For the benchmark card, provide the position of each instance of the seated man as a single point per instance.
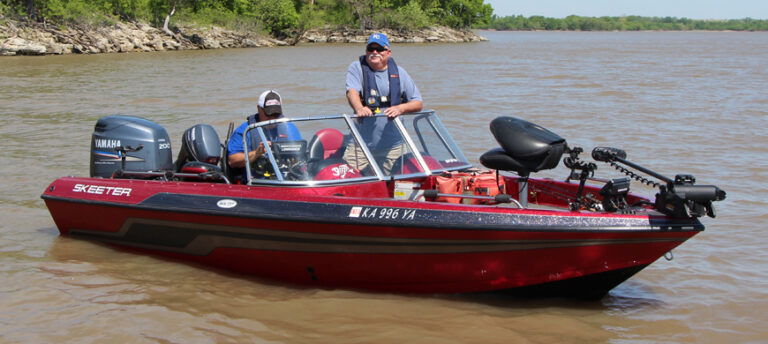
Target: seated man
(269, 108)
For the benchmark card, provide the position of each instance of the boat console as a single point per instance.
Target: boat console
(337, 149)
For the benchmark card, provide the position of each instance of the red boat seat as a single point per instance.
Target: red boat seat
(326, 144)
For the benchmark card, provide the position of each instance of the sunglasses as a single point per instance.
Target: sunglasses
(371, 49)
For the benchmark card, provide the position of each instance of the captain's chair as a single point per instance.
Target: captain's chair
(326, 144)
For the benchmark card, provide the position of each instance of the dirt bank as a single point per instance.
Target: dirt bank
(37, 39)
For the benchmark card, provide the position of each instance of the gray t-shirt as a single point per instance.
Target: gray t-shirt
(380, 133)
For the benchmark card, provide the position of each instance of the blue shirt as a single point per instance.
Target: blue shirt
(280, 132)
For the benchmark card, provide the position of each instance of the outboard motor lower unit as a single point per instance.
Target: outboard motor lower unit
(113, 133)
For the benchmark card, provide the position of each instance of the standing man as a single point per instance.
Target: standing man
(270, 107)
(376, 84)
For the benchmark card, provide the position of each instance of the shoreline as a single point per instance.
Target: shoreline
(660, 30)
(37, 39)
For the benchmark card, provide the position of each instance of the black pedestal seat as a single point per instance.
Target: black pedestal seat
(525, 147)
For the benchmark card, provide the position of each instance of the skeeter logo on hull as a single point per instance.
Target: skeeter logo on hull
(102, 190)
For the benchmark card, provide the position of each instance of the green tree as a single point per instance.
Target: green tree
(465, 14)
(407, 17)
(278, 16)
(362, 11)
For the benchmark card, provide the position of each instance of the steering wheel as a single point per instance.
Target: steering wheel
(262, 169)
(296, 172)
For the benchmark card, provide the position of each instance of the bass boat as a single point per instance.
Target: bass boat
(335, 210)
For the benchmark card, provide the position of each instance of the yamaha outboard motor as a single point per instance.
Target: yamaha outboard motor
(199, 143)
(143, 145)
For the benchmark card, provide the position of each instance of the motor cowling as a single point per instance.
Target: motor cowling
(199, 143)
(119, 137)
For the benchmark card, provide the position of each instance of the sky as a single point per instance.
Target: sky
(692, 9)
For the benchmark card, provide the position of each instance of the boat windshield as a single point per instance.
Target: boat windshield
(343, 148)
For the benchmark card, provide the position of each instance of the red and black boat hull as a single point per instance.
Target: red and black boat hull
(380, 244)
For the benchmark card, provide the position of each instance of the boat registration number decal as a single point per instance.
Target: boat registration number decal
(382, 213)
(102, 190)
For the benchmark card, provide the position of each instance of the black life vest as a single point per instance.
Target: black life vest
(370, 95)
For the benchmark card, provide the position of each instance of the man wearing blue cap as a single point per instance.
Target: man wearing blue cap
(376, 84)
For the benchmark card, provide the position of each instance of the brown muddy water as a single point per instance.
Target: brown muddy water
(677, 102)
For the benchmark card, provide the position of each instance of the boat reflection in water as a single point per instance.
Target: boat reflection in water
(334, 210)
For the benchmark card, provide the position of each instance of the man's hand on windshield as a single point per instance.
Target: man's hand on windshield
(393, 111)
(364, 111)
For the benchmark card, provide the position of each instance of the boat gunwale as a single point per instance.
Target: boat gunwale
(654, 223)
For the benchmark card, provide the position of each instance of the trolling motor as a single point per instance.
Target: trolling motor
(678, 197)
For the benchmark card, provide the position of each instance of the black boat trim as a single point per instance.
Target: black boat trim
(342, 213)
(202, 239)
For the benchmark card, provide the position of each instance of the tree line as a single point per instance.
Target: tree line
(626, 23)
(280, 18)
(284, 18)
